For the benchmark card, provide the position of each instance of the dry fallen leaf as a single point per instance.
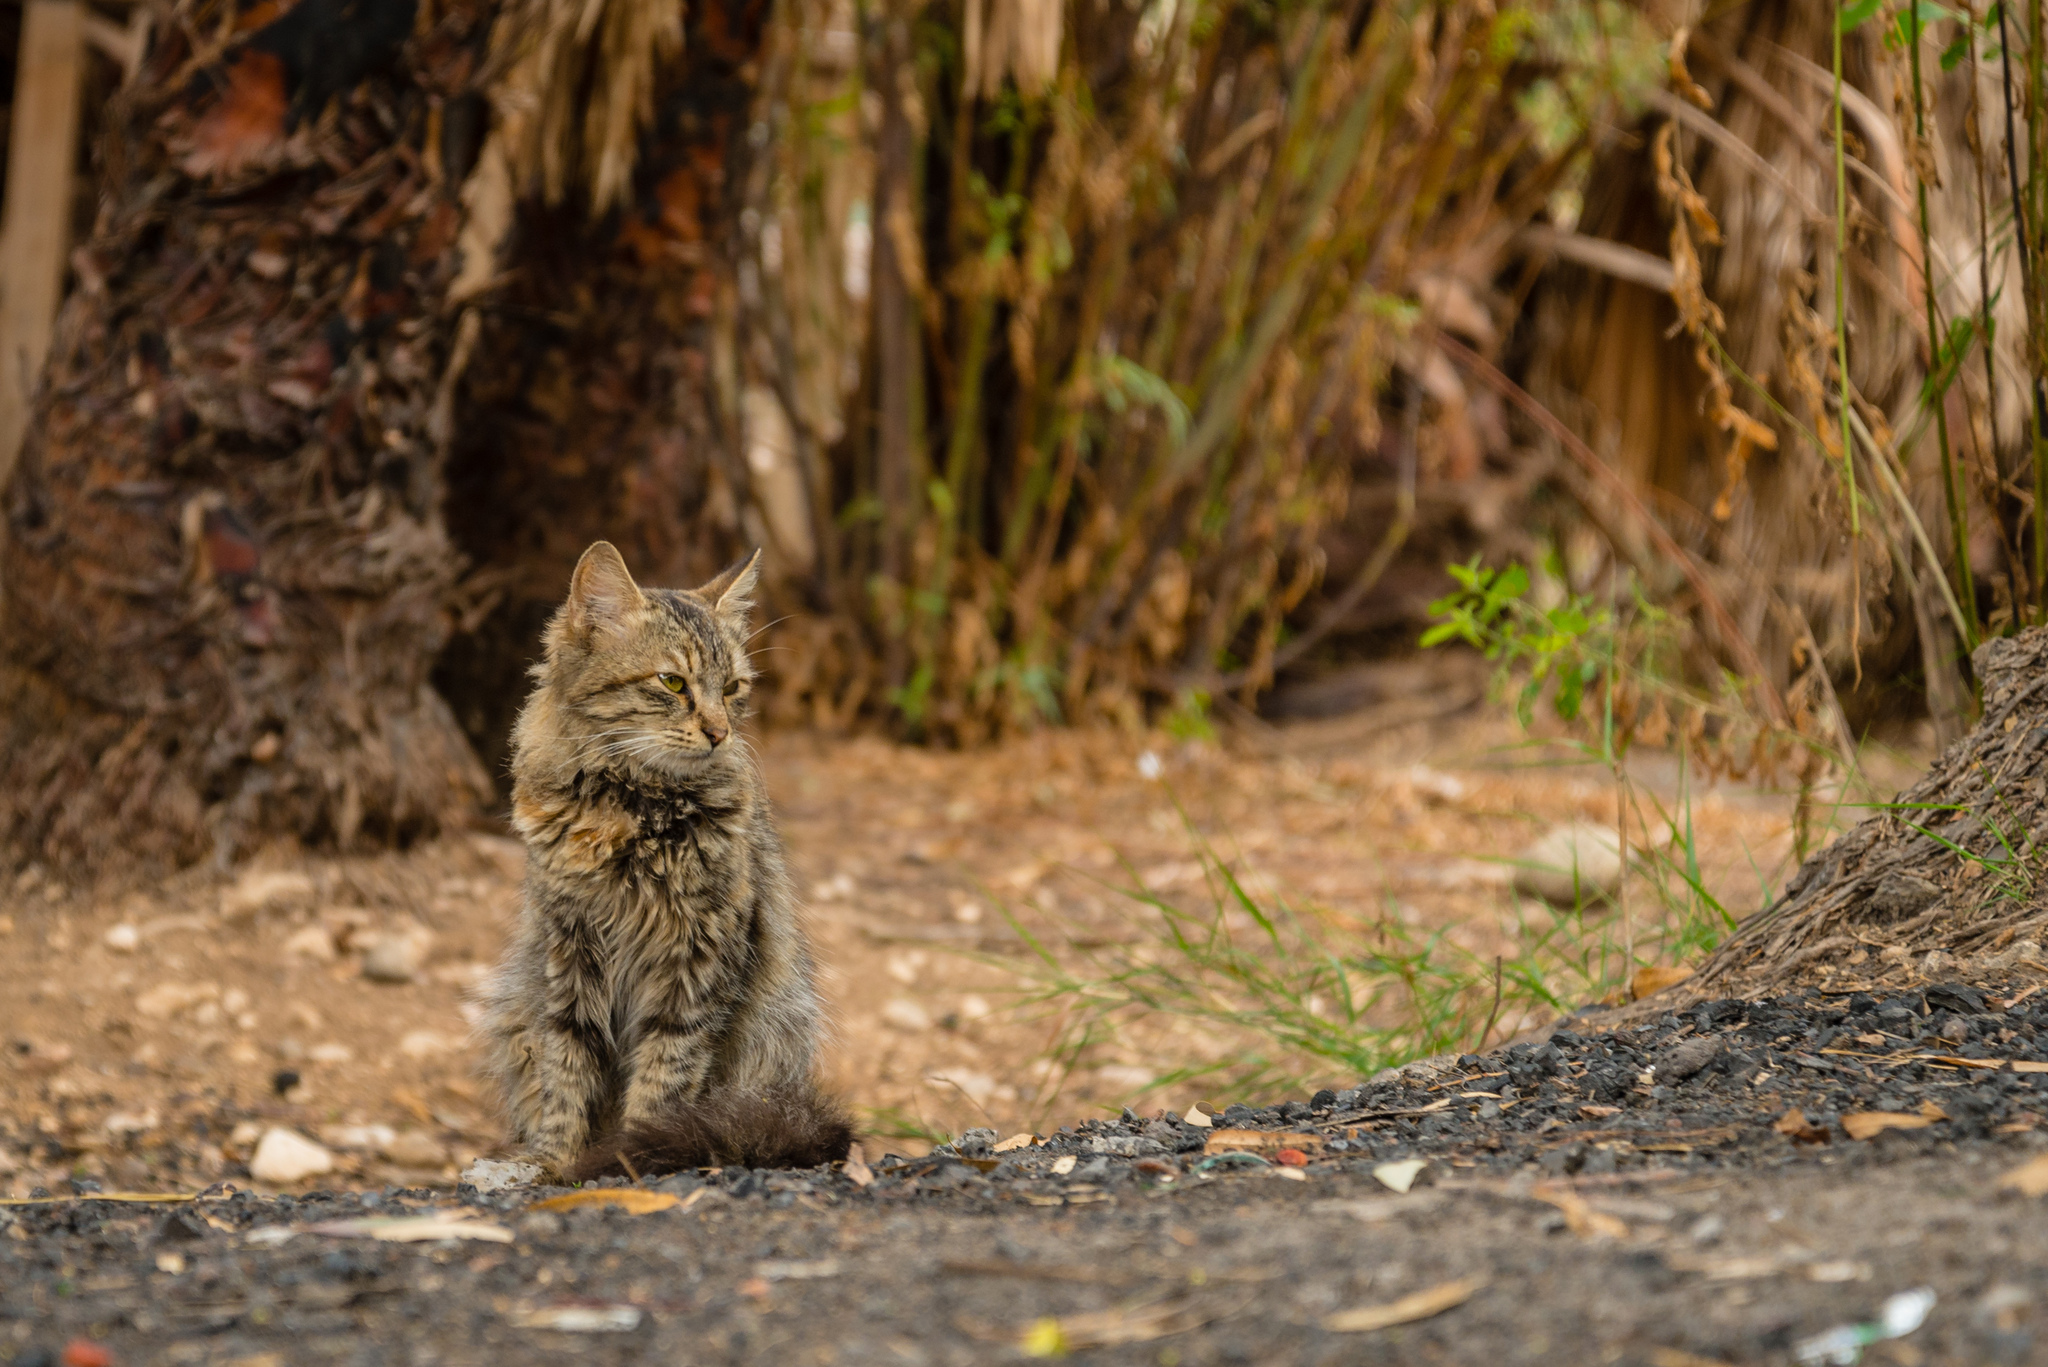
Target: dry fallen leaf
(857, 1170)
(629, 1199)
(1867, 1124)
(1063, 1165)
(1261, 1141)
(1795, 1126)
(413, 1229)
(1654, 978)
(1579, 1217)
(1419, 1305)
(2029, 1178)
(1052, 1338)
(1015, 1142)
(1197, 1117)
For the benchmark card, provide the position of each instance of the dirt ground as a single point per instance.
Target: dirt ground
(153, 1031)
(1726, 1186)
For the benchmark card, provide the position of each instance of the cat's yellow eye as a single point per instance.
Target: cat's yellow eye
(672, 682)
(732, 688)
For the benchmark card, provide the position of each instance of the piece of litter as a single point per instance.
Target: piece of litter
(1234, 1159)
(1399, 1177)
(856, 1168)
(629, 1199)
(2029, 1178)
(1198, 1118)
(1419, 1305)
(581, 1319)
(1260, 1141)
(413, 1229)
(1844, 1344)
(1063, 1165)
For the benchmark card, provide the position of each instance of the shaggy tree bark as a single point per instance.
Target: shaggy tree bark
(228, 572)
(1949, 867)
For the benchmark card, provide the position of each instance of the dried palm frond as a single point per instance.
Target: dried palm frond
(575, 87)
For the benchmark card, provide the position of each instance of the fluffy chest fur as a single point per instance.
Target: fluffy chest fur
(652, 890)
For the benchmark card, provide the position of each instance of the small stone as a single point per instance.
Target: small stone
(263, 889)
(283, 1157)
(425, 1044)
(489, 1174)
(1574, 865)
(122, 939)
(395, 956)
(311, 942)
(284, 1080)
(1687, 1058)
(905, 1014)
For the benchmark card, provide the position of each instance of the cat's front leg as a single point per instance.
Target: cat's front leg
(559, 1089)
(669, 1064)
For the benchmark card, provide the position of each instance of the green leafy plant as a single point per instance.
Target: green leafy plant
(1306, 999)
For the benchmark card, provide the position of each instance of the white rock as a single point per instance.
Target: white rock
(395, 956)
(373, 1137)
(283, 1157)
(905, 1014)
(489, 1174)
(261, 889)
(168, 999)
(122, 939)
(312, 942)
(122, 1123)
(330, 1053)
(424, 1044)
(1576, 864)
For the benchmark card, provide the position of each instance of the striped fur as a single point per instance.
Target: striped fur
(659, 985)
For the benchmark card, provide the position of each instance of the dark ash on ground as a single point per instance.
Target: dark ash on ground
(1626, 1197)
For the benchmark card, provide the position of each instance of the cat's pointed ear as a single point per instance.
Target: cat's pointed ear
(602, 595)
(731, 594)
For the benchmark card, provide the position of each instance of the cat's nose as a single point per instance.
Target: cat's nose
(715, 734)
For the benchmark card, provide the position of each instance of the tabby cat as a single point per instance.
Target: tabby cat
(657, 1008)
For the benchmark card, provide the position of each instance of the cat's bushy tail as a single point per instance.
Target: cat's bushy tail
(791, 1127)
